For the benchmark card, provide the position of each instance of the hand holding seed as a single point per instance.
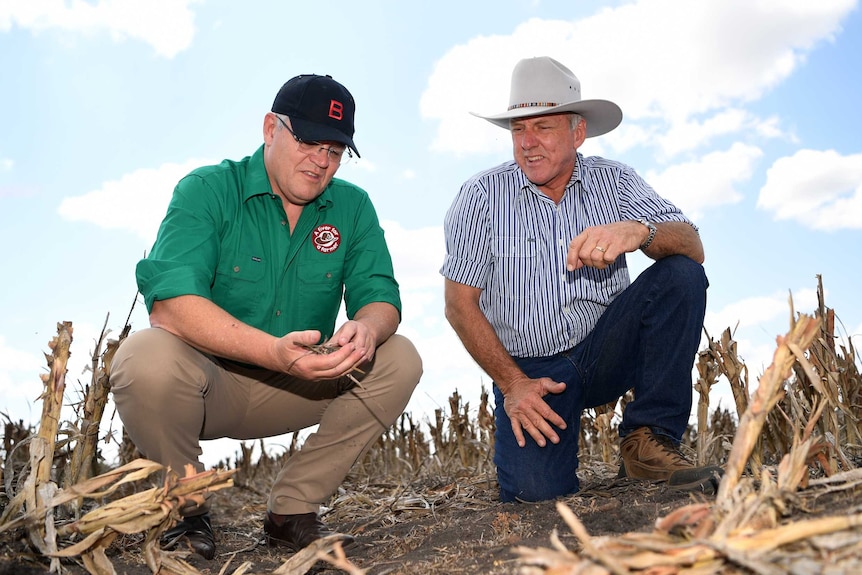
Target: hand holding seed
(315, 362)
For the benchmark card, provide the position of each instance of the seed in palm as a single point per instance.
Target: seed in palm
(326, 349)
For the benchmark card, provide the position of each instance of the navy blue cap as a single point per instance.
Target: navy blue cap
(320, 109)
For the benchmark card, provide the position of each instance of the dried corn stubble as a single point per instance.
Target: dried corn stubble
(748, 537)
(151, 511)
(765, 398)
(407, 467)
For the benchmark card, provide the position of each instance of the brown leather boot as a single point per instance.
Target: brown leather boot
(647, 455)
(297, 531)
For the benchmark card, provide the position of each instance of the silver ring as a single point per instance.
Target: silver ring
(600, 249)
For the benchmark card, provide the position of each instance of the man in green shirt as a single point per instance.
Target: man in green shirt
(247, 274)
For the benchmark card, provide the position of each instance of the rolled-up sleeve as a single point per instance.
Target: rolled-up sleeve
(467, 231)
(185, 255)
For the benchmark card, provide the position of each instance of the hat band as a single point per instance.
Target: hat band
(534, 105)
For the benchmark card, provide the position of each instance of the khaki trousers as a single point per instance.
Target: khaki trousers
(170, 396)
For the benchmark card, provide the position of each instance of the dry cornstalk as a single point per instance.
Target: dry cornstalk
(606, 559)
(151, 511)
(707, 369)
(765, 397)
(769, 539)
(52, 396)
(679, 546)
(604, 415)
(95, 400)
(38, 486)
(304, 559)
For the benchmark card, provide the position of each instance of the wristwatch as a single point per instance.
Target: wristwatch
(652, 231)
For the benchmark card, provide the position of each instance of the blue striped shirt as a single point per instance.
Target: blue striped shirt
(506, 237)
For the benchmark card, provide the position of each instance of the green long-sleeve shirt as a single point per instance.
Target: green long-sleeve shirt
(226, 238)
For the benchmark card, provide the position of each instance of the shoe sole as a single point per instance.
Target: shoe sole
(706, 481)
(708, 485)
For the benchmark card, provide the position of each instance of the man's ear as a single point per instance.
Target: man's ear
(270, 125)
(580, 132)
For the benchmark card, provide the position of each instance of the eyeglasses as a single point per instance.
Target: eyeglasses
(339, 156)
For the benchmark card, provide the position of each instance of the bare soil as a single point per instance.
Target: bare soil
(451, 527)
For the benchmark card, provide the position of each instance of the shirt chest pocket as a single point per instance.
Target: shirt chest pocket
(515, 269)
(514, 247)
(320, 275)
(239, 284)
(319, 294)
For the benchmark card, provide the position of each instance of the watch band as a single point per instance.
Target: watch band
(652, 231)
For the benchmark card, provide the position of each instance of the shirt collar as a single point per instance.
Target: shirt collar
(258, 183)
(526, 184)
(576, 173)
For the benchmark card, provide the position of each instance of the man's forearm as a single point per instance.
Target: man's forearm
(207, 327)
(381, 318)
(674, 238)
(481, 342)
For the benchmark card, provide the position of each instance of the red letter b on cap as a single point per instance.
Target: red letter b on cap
(336, 110)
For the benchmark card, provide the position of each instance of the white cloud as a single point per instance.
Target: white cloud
(6, 164)
(136, 202)
(746, 313)
(707, 182)
(417, 254)
(821, 190)
(21, 386)
(689, 135)
(755, 322)
(664, 61)
(447, 368)
(166, 25)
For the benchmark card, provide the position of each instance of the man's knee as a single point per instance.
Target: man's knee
(148, 361)
(534, 486)
(682, 270)
(398, 358)
(532, 473)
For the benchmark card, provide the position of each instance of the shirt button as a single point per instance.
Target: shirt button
(328, 275)
(278, 312)
(283, 222)
(236, 268)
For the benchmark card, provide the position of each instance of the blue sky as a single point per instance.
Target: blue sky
(743, 112)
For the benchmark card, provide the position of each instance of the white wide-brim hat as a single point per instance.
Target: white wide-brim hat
(542, 86)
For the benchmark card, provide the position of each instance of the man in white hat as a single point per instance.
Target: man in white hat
(538, 290)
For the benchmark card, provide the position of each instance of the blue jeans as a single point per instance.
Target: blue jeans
(646, 340)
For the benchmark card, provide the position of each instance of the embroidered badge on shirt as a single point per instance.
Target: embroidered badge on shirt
(326, 238)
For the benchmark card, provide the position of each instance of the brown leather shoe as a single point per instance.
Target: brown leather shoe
(297, 531)
(647, 455)
(193, 532)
